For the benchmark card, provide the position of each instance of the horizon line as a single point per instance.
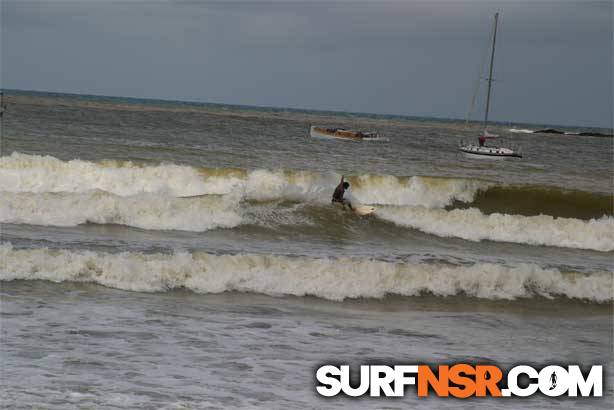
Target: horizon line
(313, 110)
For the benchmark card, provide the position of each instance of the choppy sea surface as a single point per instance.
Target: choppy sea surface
(174, 255)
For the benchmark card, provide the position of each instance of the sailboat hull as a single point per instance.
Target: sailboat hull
(343, 134)
(475, 151)
(323, 133)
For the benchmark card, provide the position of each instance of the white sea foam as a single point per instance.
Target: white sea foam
(35, 173)
(146, 211)
(473, 225)
(334, 279)
(47, 191)
(431, 192)
(521, 130)
(39, 174)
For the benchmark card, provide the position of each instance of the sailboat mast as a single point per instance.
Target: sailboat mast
(1, 115)
(492, 59)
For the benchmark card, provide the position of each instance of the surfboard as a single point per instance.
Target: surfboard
(358, 209)
(363, 210)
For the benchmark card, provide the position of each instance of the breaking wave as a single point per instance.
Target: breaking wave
(473, 225)
(334, 279)
(39, 174)
(145, 211)
(44, 190)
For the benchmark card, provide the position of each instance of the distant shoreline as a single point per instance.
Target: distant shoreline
(539, 128)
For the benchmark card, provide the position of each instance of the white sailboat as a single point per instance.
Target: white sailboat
(481, 150)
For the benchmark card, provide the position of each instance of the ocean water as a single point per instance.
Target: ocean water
(170, 255)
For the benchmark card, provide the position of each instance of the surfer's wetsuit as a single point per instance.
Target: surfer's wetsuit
(339, 192)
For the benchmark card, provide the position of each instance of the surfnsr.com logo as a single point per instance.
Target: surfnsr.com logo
(461, 381)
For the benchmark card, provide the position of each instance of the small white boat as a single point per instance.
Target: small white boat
(477, 151)
(343, 134)
(481, 150)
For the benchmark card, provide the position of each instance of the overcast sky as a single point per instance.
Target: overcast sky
(554, 59)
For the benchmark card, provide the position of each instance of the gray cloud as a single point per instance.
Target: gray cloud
(554, 61)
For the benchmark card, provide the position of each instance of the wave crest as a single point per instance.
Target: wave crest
(40, 174)
(145, 211)
(473, 225)
(334, 279)
(39, 189)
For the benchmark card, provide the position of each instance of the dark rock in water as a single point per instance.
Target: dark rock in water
(595, 134)
(548, 131)
(583, 134)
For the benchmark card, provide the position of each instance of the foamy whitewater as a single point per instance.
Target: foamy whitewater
(39, 174)
(471, 224)
(159, 255)
(38, 190)
(275, 275)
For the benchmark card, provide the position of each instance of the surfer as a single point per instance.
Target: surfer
(340, 191)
